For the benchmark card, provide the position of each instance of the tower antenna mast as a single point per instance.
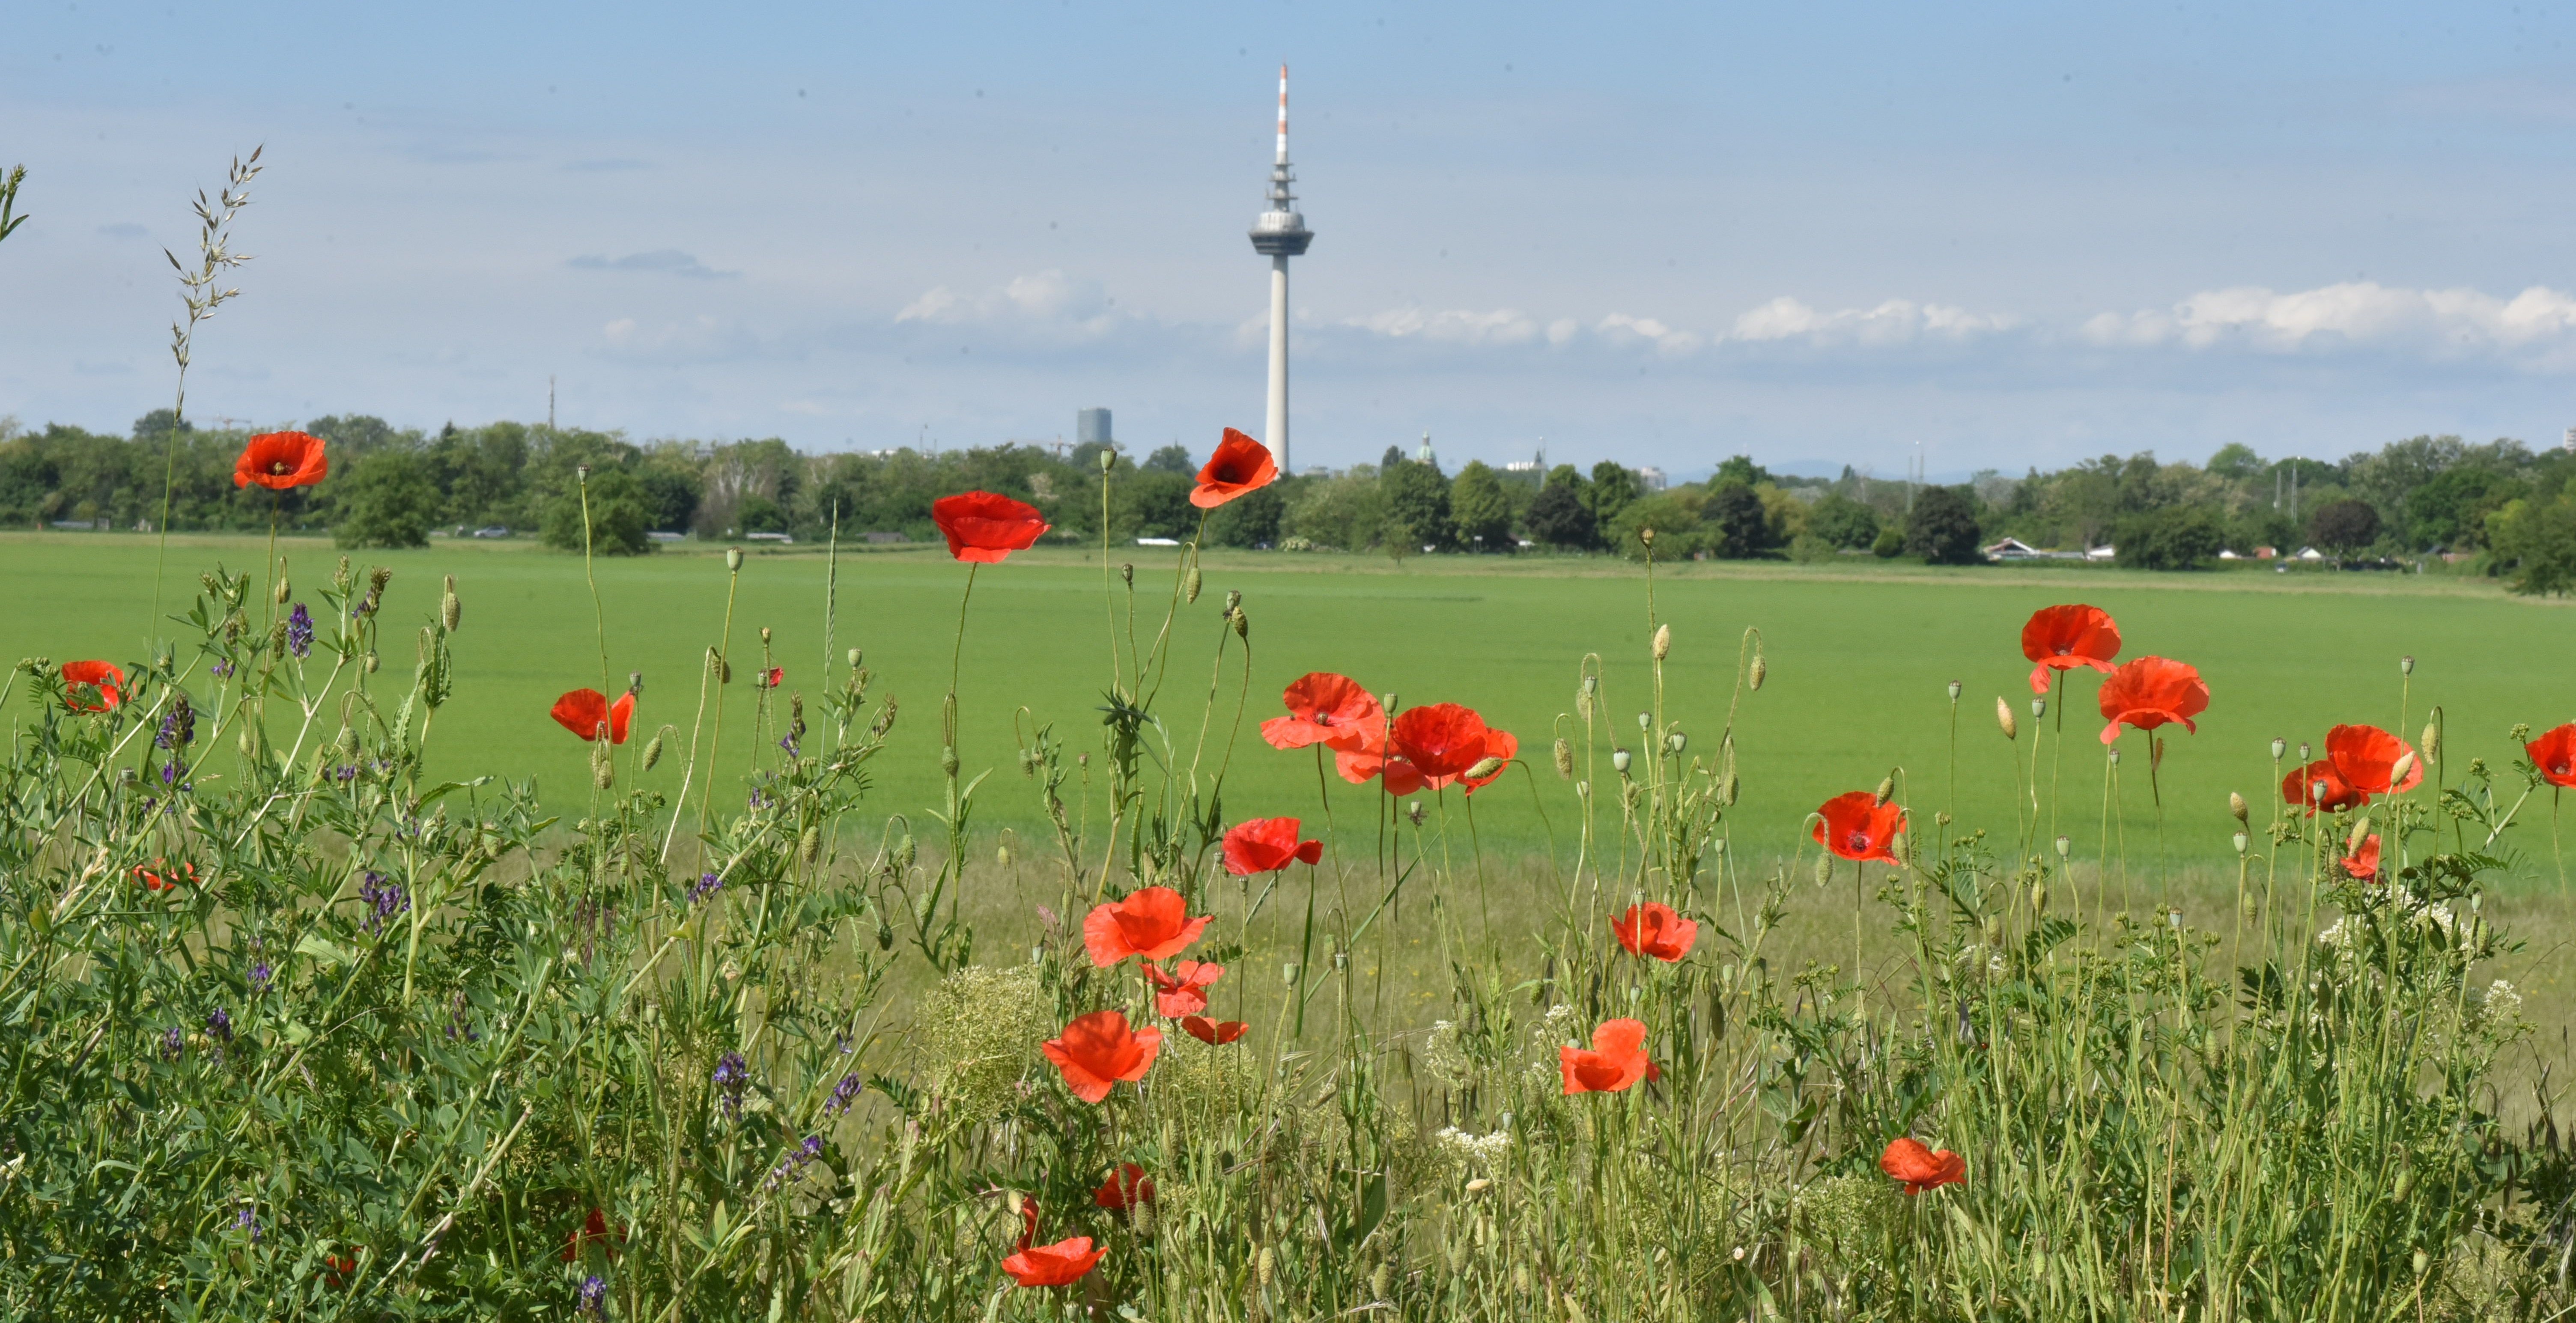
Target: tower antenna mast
(1280, 233)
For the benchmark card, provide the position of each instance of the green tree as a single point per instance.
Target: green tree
(1843, 522)
(620, 515)
(1417, 496)
(2344, 526)
(1611, 490)
(1741, 469)
(1736, 524)
(672, 491)
(386, 500)
(2175, 538)
(1557, 515)
(2535, 545)
(1943, 528)
(1174, 458)
(1249, 520)
(1480, 513)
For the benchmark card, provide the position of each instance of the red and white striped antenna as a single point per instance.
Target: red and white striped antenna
(1283, 114)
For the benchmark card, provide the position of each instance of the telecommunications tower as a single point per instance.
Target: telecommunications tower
(1280, 234)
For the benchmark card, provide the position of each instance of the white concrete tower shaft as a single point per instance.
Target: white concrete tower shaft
(1279, 234)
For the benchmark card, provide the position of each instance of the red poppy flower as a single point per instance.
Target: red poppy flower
(584, 711)
(152, 881)
(985, 528)
(2316, 786)
(2366, 757)
(2061, 638)
(1857, 826)
(1125, 1188)
(93, 686)
(1920, 1168)
(1439, 739)
(1615, 1061)
(1152, 923)
(1098, 1050)
(2151, 691)
(773, 677)
(1213, 1031)
(2364, 862)
(279, 460)
(593, 1230)
(1326, 709)
(2554, 755)
(1654, 929)
(336, 1269)
(1239, 465)
(1060, 1264)
(1183, 991)
(1266, 845)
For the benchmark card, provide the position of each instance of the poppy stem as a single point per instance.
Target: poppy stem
(599, 615)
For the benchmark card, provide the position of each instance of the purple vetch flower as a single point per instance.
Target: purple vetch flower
(707, 885)
(178, 725)
(223, 668)
(219, 1026)
(843, 1094)
(248, 1220)
(299, 632)
(260, 974)
(794, 1162)
(594, 1295)
(759, 801)
(788, 742)
(384, 898)
(173, 1043)
(733, 1074)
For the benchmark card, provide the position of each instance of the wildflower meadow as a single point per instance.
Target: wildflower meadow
(296, 1031)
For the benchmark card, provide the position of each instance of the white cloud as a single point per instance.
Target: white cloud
(1046, 298)
(2353, 312)
(1620, 328)
(1503, 326)
(1896, 321)
(660, 261)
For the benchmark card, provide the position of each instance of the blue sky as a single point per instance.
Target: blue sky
(2013, 234)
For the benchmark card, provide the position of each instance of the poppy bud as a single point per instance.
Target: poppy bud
(811, 844)
(653, 751)
(2397, 770)
(1190, 586)
(1887, 788)
(1591, 685)
(1002, 856)
(854, 658)
(1108, 457)
(1261, 1267)
(905, 851)
(603, 765)
(2004, 718)
(2065, 846)
(1619, 761)
(1954, 691)
(2360, 833)
(1128, 572)
(1824, 868)
(2432, 740)
(284, 589)
(450, 610)
(764, 636)
(371, 663)
(1243, 626)
(2241, 841)
(2236, 805)
(2039, 897)
(948, 760)
(1663, 641)
(2406, 665)
(1753, 675)
(2279, 747)
(733, 560)
(1727, 787)
(1564, 752)
(1646, 535)
(1485, 767)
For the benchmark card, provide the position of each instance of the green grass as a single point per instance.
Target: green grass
(1858, 661)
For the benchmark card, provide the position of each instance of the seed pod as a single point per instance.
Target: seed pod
(1619, 761)
(2115, 757)
(1485, 768)
(653, 751)
(1753, 675)
(635, 683)
(2038, 708)
(1887, 788)
(1127, 572)
(1663, 641)
(884, 721)
(733, 560)
(764, 638)
(1647, 536)
(1677, 741)
(2279, 747)
(1583, 790)
(2406, 665)
(1564, 752)
(948, 760)
(2004, 718)
(2303, 751)
(2236, 806)
(2242, 840)
(855, 654)
(1190, 586)
(2065, 846)
(1954, 691)
(451, 611)
(810, 845)
(1108, 458)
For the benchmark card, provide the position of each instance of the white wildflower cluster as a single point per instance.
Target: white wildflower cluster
(1445, 1056)
(2499, 1010)
(1472, 1152)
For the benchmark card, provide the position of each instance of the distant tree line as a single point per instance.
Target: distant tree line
(2509, 508)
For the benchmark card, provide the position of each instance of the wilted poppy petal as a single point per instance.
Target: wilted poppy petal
(1206, 1030)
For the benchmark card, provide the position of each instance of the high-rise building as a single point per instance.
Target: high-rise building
(1279, 234)
(1090, 425)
